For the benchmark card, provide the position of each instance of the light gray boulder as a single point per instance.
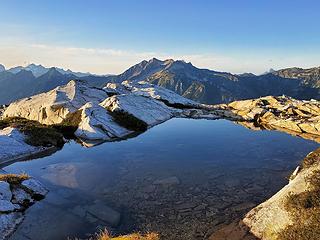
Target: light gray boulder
(146, 109)
(12, 144)
(56, 105)
(35, 187)
(6, 206)
(20, 196)
(97, 124)
(5, 192)
(159, 93)
(8, 223)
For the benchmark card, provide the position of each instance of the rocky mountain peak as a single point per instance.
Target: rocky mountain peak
(2, 68)
(25, 73)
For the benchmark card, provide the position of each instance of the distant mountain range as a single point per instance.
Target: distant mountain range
(209, 86)
(38, 70)
(202, 85)
(20, 82)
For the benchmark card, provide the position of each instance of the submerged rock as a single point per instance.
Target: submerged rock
(34, 187)
(167, 181)
(104, 213)
(98, 211)
(8, 223)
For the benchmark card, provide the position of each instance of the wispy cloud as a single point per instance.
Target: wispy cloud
(109, 60)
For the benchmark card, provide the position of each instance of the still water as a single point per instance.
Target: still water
(181, 179)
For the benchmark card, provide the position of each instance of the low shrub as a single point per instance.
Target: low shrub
(14, 178)
(305, 210)
(135, 236)
(129, 121)
(69, 125)
(312, 158)
(36, 134)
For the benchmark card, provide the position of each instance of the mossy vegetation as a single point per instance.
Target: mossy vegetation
(177, 105)
(104, 235)
(69, 125)
(129, 121)
(305, 210)
(36, 134)
(135, 236)
(311, 159)
(14, 178)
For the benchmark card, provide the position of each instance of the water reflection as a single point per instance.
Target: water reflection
(182, 178)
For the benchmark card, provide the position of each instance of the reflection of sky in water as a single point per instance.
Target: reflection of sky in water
(192, 150)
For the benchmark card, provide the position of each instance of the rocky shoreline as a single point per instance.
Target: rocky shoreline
(119, 110)
(283, 113)
(17, 193)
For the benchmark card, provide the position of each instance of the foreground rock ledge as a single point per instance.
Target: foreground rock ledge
(17, 193)
(282, 217)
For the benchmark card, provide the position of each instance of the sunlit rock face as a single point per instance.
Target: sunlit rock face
(97, 124)
(55, 106)
(171, 98)
(146, 109)
(292, 210)
(102, 114)
(282, 112)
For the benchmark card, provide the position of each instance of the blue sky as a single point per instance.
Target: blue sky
(107, 36)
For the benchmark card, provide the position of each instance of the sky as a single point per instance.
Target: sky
(108, 36)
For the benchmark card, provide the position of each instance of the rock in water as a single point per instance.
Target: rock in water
(6, 206)
(102, 212)
(5, 192)
(21, 197)
(168, 181)
(8, 223)
(35, 188)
